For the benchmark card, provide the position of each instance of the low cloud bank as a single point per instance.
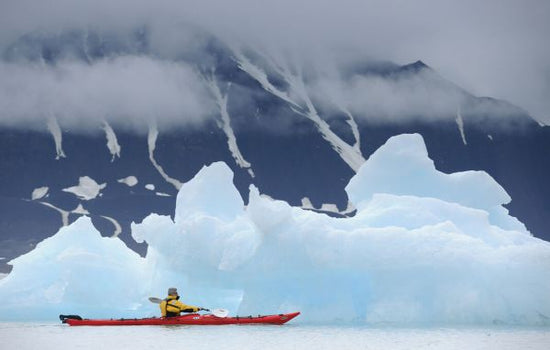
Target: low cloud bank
(130, 89)
(495, 49)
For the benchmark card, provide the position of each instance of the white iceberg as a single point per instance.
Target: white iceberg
(424, 247)
(74, 270)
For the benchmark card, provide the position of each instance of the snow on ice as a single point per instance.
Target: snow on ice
(424, 247)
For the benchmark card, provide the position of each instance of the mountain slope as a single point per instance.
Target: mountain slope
(295, 131)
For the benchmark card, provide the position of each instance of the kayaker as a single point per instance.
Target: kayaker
(171, 306)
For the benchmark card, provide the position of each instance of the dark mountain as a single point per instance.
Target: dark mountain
(281, 144)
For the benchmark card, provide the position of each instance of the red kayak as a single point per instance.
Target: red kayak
(190, 319)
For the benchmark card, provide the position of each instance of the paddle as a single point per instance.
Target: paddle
(215, 312)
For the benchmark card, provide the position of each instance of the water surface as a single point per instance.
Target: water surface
(22, 336)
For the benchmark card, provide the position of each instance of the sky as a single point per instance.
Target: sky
(490, 48)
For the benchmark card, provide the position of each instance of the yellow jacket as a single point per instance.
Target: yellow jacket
(171, 306)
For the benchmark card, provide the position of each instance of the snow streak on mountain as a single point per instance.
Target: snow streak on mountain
(108, 125)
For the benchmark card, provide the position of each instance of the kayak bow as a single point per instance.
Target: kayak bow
(189, 319)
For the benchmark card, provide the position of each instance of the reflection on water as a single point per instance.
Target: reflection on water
(22, 336)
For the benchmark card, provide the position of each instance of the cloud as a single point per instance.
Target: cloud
(128, 90)
(492, 48)
(395, 99)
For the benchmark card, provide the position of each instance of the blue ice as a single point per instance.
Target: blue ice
(424, 248)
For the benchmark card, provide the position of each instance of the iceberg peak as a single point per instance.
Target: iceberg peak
(402, 167)
(423, 248)
(208, 193)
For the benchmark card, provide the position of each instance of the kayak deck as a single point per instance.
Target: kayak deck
(189, 319)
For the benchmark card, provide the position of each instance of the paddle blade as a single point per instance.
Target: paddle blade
(155, 300)
(220, 312)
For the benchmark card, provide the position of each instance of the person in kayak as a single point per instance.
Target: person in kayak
(171, 306)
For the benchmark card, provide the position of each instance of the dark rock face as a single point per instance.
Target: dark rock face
(288, 167)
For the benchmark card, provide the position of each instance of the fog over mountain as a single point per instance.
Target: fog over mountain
(494, 48)
(108, 107)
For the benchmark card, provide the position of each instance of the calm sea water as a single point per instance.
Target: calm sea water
(21, 336)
